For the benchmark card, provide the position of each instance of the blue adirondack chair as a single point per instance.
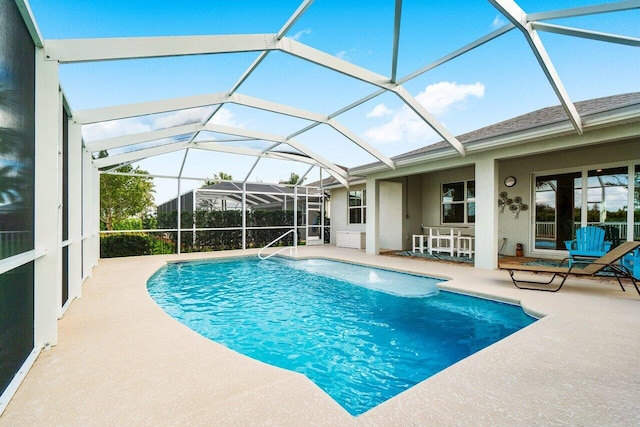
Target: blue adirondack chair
(589, 242)
(632, 263)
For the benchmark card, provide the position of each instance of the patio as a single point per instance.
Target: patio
(397, 119)
(121, 360)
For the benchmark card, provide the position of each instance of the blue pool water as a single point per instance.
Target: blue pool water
(361, 334)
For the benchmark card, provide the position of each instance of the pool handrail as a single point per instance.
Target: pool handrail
(295, 244)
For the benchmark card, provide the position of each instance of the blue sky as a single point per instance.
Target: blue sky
(492, 83)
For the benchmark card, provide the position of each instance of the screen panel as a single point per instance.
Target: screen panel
(17, 173)
(17, 132)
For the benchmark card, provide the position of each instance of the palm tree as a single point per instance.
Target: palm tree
(217, 178)
(293, 179)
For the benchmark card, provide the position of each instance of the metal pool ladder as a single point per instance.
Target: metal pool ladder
(294, 247)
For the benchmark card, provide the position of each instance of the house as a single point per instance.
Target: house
(308, 201)
(536, 159)
(228, 196)
(578, 166)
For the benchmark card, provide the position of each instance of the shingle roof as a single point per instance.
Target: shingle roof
(544, 116)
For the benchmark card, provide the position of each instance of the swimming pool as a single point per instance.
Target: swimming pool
(361, 334)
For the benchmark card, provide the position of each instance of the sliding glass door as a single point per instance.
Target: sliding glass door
(607, 202)
(563, 204)
(636, 204)
(558, 201)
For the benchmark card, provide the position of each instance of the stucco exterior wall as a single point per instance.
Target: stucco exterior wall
(340, 214)
(421, 183)
(525, 169)
(431, 188)
(412, 220)
(391, 214)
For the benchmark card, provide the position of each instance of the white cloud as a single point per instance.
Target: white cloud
(113, 129)
(379, 110)
(116, 128)
(227, 118)
(403, 127)
(406, 126)
(181, 117)
(439, 97)
(342, 55)
(497, 22)
(299, 34)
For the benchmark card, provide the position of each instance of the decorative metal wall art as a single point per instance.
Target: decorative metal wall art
(515, 205)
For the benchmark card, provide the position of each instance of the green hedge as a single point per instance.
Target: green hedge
(228, 239)
(116, 245)
(119, 245)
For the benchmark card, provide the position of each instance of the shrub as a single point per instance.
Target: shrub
(118, 245)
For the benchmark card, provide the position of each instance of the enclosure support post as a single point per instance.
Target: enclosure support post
(193, 204)
(295, 217)
(373, 217)
(631, 192)
(322, 212)
(47, 216)
(244, 215)
(486, 173)
(179, 219)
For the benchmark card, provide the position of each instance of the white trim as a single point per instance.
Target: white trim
(21, 259)
(361, 208)
(66, 306)
(464, 202)
(584, 174)
(126, 140)
(140, 154)
(593, 122)
(585, 10)
(107, 49)
(593, 35)
(11, 389)
(30, 21)
(144, 108)
(47, 227)
(75, 201)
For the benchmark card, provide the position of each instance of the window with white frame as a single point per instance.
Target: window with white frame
(459, 202)
(358, 207)
(589, 196)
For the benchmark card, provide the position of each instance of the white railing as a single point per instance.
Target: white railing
(548, 229)
(294, 247)
(545, 229)
(14, 242)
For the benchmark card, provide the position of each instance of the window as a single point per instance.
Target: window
(565, 202)
(358, 207)
(608, 202)
(636, 208)
(607, 195)
(459, 202)
(558, 201)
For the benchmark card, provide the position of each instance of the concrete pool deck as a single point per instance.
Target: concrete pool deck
(120, 360)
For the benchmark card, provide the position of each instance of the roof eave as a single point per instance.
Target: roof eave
(625, 114)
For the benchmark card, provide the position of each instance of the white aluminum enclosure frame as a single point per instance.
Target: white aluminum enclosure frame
(83, 242)
(186, 136)
(83, 50)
